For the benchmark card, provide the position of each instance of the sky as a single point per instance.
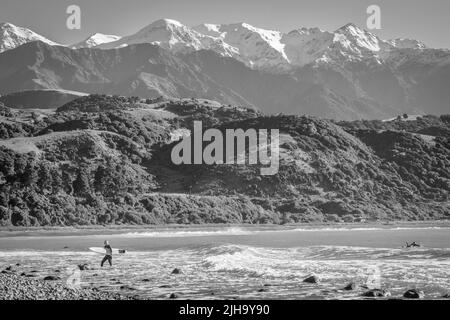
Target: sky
(424, 20)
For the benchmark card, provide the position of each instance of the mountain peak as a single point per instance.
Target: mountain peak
(12, 36)
(165, 23)
(348, 26)
(354, 39)
(4, 25)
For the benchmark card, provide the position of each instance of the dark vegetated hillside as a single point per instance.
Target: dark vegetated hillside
(429, 125)
(425, 164)
(9, 127)
(324, 171)
(106, 160)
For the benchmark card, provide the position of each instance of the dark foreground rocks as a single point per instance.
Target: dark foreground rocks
(414, 294)
(176, 271)
(15, 287)
(83, 266)
(351, 286)
(311, 279)
(377, 293)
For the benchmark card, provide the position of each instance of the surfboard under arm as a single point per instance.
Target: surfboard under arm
(102, 250)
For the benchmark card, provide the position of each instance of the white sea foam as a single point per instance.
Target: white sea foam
(189, 233)
(231, 231)
(249, 231)
(368, 229)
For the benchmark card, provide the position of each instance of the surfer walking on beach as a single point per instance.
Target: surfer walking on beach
(108, 256)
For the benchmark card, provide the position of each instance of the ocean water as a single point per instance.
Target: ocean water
(242, 262)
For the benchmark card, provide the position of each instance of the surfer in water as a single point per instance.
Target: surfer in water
(108, 256)
(412, 244)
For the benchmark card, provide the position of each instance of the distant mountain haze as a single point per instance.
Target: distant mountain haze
(346, 74)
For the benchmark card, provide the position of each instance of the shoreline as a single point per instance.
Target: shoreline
(118, 229)
(150, 274)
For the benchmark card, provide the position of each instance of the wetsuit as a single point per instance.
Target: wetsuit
(108, 256)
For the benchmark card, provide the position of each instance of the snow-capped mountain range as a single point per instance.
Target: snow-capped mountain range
(349, 73)
(258, 48)
(267, 49)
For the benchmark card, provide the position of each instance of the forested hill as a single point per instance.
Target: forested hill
(106, 160)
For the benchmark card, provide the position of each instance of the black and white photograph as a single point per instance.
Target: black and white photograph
(211, 151)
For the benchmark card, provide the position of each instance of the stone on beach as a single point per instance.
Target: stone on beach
(350, 286)
(311, 279)
(83, 266)
(127, 287)
(51, 278)
(176, 271)
(377, 293)
(414, 294)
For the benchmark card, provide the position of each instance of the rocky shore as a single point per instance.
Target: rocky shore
(21, 287)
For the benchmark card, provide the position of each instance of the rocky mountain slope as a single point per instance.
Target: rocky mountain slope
(144, 70)
(106, 160)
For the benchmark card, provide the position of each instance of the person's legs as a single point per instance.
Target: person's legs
(103, 261)
(110, 261)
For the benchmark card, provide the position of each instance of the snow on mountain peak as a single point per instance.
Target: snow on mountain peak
(403, 43)
(95, 40)
(258, 48)
(168, 33)
(12, 36)
(354, 38)
(167, 22)
(208, 29)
